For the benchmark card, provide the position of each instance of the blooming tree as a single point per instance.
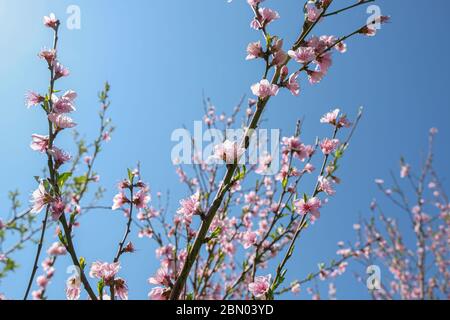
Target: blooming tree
(227, 230)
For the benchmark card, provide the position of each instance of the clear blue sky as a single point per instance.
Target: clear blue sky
(160, 55)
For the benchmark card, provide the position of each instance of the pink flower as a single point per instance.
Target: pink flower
(326, 186)
(260, 286)
(254, 2)
(404, 170)
(249, 238)
(295, 289)
(189, 207)
(39, 143)
(228, 151)
(141, 199)
(73, 288)
(119, 200)
(40, 198)
(56, 249)
(33, 99)
(293, 85)
(104, 270)
(315, 76)
(60, 156)
(57, 209)
(48, 55)
(162, 277)
(264, 89)
(264, 164)
(341, 47)
(298, 149)
(61, 121)
(324, 62)
(59, 70)
(328, 145)
(64, 104)
(312, 206)
(121, 289)
(254, 50)
(303, 55)
(158, 293)
(51, 21)
(265, 16)
(37, 294)
(330, 117)
(42, 281)
(313, 13)
(279, 58)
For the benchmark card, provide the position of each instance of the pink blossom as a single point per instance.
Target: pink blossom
(162, 277)
(57, 209)
(56, 249)
(39, 143)
(254, 2)
(59, 70)
(328, 145)
(104, 270)
(228, 151)
(303, 55)
(326, 186)
(264, 89)
(315, 76)
(59, 155)
(264, 164)
(121, 289)
(294, 146)
(48, 55)
(312, 206)
(254, 50)
(40, 198)
(141, 199)
(324, 62)
(33, 99)
(249, 239)
(293, 85)
(42, 281)
(61, 121)
(189, 207)
(404, 170)
(73, 288)
(330, 117)
(341, 47)
(260, 286)
(279, 58)
(265, 16)
(313, 13)
(119, 200)
(51, 21)
(64, 104)
(295, 289)
(37, 294)
(158, 293)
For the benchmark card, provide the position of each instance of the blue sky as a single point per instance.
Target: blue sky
(159, 56)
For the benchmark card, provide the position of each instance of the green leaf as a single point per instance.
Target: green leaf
(130, 175)
(216, 233)
(100, 286)
(190, 296)
(63, 178)
(82, 263)
(284, 183)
